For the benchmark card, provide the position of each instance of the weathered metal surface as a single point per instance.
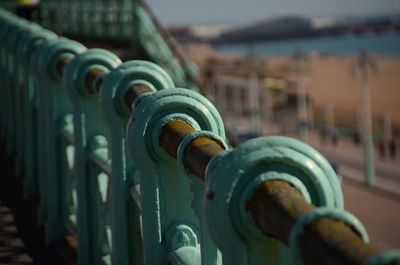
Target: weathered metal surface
(90, 133)
(199, 153)
(93, 131)
(62, 63)
(165, 186)
(276, 207)
(116, 101)
(172, 135)
(94, 75)
(134, 92)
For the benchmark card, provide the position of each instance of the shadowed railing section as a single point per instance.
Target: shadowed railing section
(138, 171)
(130, 23)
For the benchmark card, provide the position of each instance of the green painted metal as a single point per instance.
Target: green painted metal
(101, 173)
(165, 184)
(26, 48)
(252, 163)
(126, 249)
(53, 110)
(129, 21)
(90, 134)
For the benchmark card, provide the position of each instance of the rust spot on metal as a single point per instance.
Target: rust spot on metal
(89, 80)
(62, 63)
(133, 92)
(210, 195)
(199, 153)
(172, 135)
(276, 206)
(328, 241)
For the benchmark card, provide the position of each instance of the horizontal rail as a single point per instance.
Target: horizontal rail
(276, 206)
(172, 192)
(198, 154)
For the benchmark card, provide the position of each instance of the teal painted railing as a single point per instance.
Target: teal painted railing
(127, 21)
(138, 171)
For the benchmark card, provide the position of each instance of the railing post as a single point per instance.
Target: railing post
(117, 93)
(171, 198)
(6, 22)
(26, 47)
(16, 93)
(54, 109)
(90, 133)
(11, 36)
(256, 161)
(272, 200)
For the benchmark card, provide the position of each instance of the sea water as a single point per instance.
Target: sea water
(385, 44)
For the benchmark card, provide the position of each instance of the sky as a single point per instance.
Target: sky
(193, 12)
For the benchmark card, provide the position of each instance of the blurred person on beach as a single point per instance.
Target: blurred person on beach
(356, 138)
(392, 149)
(335, 135)
(382, 149)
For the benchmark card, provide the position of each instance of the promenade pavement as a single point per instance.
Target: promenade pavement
(378, 207)
(12, 249)
(349, 158)
(378, 210)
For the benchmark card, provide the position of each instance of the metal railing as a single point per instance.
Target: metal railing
(138, 171)
(120, 21)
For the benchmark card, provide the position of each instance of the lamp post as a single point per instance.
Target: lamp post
(254, 92)
(302, 110)
(387, 131)
(364, 64)
(301, 64)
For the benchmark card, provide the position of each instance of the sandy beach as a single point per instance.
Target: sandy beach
(332, 80)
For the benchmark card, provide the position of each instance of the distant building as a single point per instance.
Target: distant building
(282, 27)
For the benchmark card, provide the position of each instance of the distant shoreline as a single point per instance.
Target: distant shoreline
(387, 44)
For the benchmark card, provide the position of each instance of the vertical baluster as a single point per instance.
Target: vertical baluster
(7, 23)
(89, 129)
(14, 33)
(55, 108)
(119, 90)
(27, 47)
(171, 198)
(18, 90)
(3, 26)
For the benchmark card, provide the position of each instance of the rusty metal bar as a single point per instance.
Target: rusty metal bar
(62, 63)
(133, 93)
(276, 206)
(198, 153)
(172, 135)
(90, 77)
